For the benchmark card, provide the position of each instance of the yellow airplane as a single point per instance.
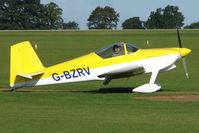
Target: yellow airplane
(114, 61)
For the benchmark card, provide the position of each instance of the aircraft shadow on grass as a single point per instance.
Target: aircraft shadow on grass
(99, 91)
(109, 90)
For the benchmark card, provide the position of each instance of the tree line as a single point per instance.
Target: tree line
(166, 18)
(31, 14)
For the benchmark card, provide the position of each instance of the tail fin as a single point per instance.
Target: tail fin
(24, 63)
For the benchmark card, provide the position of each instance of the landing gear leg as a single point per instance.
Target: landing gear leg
(107, 80)
(153, 77)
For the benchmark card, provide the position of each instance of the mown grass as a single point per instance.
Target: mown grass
(94, 107)
(88, 112)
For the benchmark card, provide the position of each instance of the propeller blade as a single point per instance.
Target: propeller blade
(183, 59)
(185, 67)
(179, 40)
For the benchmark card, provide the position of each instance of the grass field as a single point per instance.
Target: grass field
(90, 106)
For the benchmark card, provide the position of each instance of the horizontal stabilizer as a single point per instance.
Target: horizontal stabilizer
(30, 76)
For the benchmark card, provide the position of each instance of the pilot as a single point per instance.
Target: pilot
(116, 50)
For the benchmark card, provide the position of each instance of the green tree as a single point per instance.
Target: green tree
(70, 25)
(54, 13)
(10, 14)
(29, 14)
(194, 25)
(103, 18)
(32, 15)
(172, 17)
(167, 18)
(132, 23)
(20, 14)
(155, 20)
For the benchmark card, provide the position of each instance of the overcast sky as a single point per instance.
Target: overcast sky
(79, 10)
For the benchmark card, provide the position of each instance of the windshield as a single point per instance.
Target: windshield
(131, 48)
(111, 51)
(115, 50)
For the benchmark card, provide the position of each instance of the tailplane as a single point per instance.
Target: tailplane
(24, 64)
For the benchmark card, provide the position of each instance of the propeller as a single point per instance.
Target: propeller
(183, 58)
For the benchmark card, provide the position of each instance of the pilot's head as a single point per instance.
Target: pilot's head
(116, 49)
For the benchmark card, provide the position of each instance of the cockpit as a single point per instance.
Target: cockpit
(116, 50)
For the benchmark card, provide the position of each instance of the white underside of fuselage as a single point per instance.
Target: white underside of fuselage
(163, 63)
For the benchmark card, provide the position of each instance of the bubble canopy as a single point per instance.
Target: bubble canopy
(117, 49)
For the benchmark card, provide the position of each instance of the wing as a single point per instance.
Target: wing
(124, 73)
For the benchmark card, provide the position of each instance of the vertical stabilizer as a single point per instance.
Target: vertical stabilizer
(23, 61)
